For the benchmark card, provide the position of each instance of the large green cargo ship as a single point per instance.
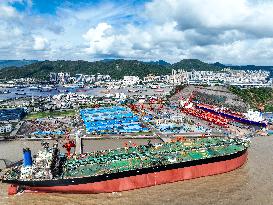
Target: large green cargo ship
(129, 167)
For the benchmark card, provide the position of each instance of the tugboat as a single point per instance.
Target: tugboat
(126, 168)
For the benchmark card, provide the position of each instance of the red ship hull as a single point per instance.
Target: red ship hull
(144, 180)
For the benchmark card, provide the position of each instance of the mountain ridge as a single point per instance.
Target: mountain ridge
(15, 63)
(116, 68)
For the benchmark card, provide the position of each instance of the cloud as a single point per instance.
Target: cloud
(99, 41)
(40, 43)
(207, 13)
(16, 37)
(230, 31)
(134, 42)
(7, 12)
(213, 16)
(210, 30)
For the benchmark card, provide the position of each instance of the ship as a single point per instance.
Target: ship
(33, 88)
(127, 168)
(81, 90)
(47, 89)
(5, 92)
(20, 93)
(159, 90)
(190, 108)
(221, 116)
(251, 117)
(63, 91)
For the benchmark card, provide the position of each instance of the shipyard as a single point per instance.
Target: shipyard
(136, 102)
(103, 142)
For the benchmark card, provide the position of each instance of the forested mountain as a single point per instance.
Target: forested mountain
(116, 68)
(15, 63)
(194, 64)
(246, 67)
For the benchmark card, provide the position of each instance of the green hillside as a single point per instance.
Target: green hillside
(15, 63)
(194, 64)
(256, 97)
(116, 68)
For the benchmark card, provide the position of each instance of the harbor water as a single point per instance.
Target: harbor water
(60, 90)
(252, 184)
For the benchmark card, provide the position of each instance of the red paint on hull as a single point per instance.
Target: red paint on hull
(147, 180)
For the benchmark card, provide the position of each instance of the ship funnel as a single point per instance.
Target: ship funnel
(27, 157)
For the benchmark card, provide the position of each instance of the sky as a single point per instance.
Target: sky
(228, 31)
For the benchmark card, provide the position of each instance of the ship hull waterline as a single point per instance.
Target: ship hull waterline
(218, 165)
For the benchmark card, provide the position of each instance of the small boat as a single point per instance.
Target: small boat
(45, 90)
(81, 90)
(20, 93)
(105, 91)
(63, 91)
(154, 86)
(159, 90)
(133, 91)
(33, 88)
(5, 92)
(20, 86)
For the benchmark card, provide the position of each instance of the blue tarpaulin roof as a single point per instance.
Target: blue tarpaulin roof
(110, 120)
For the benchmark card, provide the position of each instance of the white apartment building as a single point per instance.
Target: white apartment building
(151, 78)
(230, 77)
(130, 80)
(6, 128)
(178, 77)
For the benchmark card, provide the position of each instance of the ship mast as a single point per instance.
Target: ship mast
(78, 140)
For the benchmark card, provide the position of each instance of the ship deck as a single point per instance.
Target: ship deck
(132, 158)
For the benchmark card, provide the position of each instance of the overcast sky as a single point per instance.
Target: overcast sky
(228, 31)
